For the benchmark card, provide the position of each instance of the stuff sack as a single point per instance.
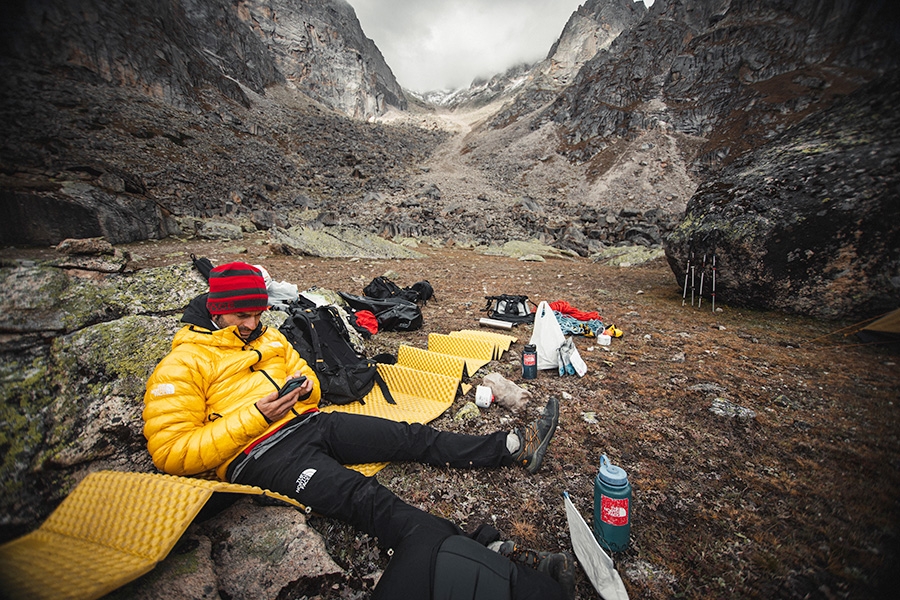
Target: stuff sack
(392, 314)
(424, 291)
(321, 338)
(510, 308)
(203, 265)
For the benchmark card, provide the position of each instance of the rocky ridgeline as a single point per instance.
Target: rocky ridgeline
(590, 31)
(735, 73)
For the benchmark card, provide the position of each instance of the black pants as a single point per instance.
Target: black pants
(304, 460)
(431, 564)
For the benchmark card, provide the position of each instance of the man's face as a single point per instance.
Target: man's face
(246, 322)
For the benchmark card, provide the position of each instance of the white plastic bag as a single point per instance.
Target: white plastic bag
(547, 337)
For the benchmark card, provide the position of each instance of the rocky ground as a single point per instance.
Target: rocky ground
(762, 448)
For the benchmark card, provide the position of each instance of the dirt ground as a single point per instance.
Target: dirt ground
(798, 499)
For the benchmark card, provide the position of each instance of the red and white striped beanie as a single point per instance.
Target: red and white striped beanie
(236, 287)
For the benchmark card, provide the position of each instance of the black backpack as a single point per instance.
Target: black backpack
(321, 338)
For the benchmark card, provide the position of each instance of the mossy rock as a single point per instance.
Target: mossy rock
(519, 248)
(627, 256)
(338, 242)
(25, 394)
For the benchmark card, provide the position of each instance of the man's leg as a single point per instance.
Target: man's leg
(430, 564)
(356, 439)
(353, 439)
(299, 466)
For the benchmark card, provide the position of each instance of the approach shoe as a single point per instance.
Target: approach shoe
(534, 439)
(558, 565)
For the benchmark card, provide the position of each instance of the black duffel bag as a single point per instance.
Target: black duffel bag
(392, 314)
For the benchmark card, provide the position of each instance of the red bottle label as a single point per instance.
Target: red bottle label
(529, 360)
(614, 510)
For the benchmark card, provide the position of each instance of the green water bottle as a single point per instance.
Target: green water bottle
(612, 507)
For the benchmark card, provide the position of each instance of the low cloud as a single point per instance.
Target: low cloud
(444, 44)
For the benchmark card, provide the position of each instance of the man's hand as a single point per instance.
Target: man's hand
(274, 408)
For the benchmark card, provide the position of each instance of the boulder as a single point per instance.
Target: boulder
(217, 230)
(75, 209)
(90, 246)
(809, 223)
(76, 351)
(264, 549)
(245, 551)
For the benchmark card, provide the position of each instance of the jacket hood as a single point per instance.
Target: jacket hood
(196, 313)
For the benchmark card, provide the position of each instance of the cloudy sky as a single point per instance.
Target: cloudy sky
(445, 44)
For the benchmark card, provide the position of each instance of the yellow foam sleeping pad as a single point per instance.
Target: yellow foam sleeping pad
(111, 529)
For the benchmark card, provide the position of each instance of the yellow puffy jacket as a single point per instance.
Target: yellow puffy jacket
(199, 411)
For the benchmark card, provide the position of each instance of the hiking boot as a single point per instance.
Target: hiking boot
(534, 439)
(558, 565)
(561, 567)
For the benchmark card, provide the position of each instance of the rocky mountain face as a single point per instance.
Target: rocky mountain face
(170, 50)
(125, 136)
(735, 73)
(320, 48)
(590, 30)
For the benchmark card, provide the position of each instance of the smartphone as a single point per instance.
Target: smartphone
(291, 385)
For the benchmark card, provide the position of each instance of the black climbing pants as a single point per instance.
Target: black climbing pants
(305, 460)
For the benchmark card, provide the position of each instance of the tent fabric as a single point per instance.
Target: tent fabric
(890, 323)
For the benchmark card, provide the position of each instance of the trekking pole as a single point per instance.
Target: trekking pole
(702, 273)
(692, 285)
(714, 283)
(686, 271)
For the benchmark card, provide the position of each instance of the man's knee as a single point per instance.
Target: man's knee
(466, 569)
